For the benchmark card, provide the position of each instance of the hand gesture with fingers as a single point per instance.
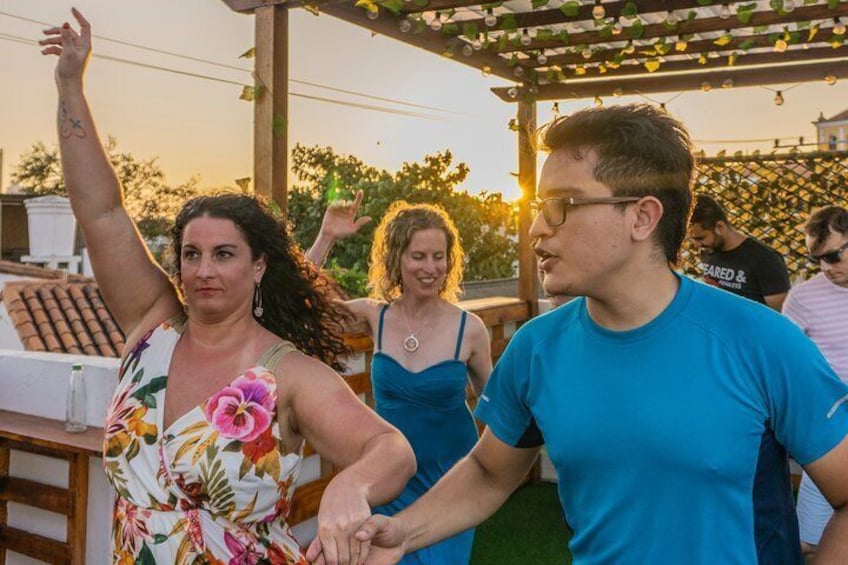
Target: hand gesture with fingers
(340, 219)
(73, 48)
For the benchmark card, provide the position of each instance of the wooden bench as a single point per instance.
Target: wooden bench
(45, 437)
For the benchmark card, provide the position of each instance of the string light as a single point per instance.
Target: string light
(629, 49)
(778, 99)
(838, 27)
(525, 38)
(788, 6)
(512, 92)
(555, 110)
(618, 92)
(542, 58)
(830, 80)
(727, 83)
(486, 70)
(373, 13)
(518, 71)
(436, 24)
(706, 87)
(724, 12)
(598, 102)
(490, 19)
(671, 18)
(617, 28)
(598, 12)
(467, 50)
(512, 124)
(477, 44)
(405, 25)
(680, 44)
(586, 53)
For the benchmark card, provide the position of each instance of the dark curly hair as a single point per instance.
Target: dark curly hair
(297, 298)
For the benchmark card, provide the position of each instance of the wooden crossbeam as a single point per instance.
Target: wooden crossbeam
(651, 31)
(675, 82)
(35, 546)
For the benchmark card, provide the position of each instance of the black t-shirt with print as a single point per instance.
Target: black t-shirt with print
(753, 270)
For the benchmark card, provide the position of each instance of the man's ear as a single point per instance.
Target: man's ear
(648, 212)
(720, 227)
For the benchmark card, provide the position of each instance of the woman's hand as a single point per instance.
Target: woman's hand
(72, 48)
(344, 509)
(340, 219)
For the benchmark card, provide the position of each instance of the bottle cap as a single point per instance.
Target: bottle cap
(76, 367)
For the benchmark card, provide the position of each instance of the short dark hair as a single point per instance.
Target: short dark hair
(297, 298)
(707, 212)
(824, 221)
(642, 151)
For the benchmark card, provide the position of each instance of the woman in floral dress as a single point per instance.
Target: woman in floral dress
(225, 375)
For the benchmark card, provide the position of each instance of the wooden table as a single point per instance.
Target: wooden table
(46, 437)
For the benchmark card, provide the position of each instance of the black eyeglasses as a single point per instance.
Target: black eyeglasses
(831, 257)
(555, 209)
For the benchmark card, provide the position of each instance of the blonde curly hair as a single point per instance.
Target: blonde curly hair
(392, 237)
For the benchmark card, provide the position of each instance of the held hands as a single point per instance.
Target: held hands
(340, 219)
(385, 536)
(344, 507)
(72, 48)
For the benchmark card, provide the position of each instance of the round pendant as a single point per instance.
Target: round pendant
(410, 343)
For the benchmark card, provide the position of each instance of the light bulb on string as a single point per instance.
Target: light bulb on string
(467, 50)
(436, 24)
(618, 92)
(662, 107)
(598, 12)
(830, 80)
(490, 20)
(629, 49)
(542, 58)
(374, 13)
(838, 27)
(512, 92)
(671, 18)
(598, 102)
(681, 44)
(518, 71)
(512, 124)
(788, 5)
(616, 28)
(706, 87)
(555, 110)
(525, 38)
(778, 98)
(405, 25)
(781, 45)
(727, 83)
(724, 12)
(477, 44)
(586, 53)
(486, 70)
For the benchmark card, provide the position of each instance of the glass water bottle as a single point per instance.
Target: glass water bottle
(76, 401)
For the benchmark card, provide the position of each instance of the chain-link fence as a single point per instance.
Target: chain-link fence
(771, 196)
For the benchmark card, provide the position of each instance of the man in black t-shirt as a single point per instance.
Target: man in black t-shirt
(734, 261)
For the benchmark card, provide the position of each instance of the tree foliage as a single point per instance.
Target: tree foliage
(149, 201)
(486, 224)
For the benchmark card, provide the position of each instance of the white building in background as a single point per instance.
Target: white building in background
(832, 133)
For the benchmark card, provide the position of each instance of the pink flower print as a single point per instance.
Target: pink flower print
(242, 410)
(131, 525)
(242, 551)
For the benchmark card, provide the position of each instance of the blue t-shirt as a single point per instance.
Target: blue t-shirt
(669, 439)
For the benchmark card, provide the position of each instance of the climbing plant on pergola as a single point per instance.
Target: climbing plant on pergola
(564, 49)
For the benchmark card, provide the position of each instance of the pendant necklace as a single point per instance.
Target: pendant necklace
(410, 343)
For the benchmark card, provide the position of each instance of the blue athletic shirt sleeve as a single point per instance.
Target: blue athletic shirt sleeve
(807, 403)
(503, 406)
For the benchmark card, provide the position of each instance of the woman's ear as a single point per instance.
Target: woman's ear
(648, 211)
(259, 267)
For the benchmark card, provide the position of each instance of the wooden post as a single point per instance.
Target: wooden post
(4, 475)
(270, 127)
(528, 278)
(78, 511)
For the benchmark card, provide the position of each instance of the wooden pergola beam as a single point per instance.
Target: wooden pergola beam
(676, 82)
(744, 60)
(652, 31)
(692, 48)
(528, 277)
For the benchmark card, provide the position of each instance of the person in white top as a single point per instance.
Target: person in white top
(818, 307)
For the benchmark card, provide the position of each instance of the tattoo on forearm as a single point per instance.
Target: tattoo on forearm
(68, 126)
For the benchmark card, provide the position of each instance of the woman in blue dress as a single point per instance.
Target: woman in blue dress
(426, 348)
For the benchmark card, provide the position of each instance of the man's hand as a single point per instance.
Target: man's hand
(387, 538)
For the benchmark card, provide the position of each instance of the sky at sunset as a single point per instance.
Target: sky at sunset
(198, 126)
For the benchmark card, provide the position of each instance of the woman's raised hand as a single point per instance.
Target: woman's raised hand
(340, 219)
(72, 48)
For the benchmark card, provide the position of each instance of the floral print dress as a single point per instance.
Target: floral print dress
(213, 488)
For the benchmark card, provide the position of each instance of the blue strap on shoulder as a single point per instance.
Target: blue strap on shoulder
(459, 337)
(380, 327)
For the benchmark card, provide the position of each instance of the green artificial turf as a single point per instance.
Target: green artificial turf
(528, 529)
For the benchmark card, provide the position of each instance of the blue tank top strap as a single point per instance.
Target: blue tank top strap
(459, 337)
(380, 327)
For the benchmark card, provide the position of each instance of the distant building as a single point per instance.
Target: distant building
(832, 133)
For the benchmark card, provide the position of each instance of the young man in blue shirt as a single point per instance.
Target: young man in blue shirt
(667, 406)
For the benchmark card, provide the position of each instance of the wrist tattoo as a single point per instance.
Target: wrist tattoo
(68, 126)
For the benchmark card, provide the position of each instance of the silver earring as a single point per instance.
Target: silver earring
(257, 302)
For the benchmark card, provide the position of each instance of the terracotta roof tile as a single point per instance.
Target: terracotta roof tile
(62, 316)
(843, 115)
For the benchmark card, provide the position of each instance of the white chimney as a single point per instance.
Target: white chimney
(52, 230)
